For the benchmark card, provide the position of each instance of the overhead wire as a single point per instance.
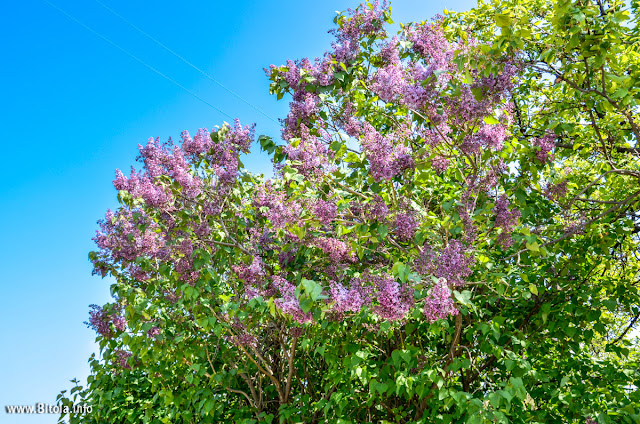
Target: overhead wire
(182, 58)
(136, 58)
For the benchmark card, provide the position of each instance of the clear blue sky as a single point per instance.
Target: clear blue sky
(73, 108)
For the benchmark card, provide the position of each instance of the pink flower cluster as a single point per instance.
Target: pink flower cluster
(439, 304)
(405, 225)
(452, 262)
(338, 251)
(555, 192)
(121, 357)
(506, 219)
(377, 209)
(287, 301)
(393, 300)
(325, 210)
(386, 159)
(101, 319)
(178, 163)
(350, 299)
(274, 206)
(362, 22)
(546, 144)
(310, 153)
(253, 276)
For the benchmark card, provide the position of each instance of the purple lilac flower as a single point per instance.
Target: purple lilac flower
(253, 276)
(310, 151)
(99, 321)
(153, 332)
(288, 303)
(429, 41)
(440, 164)
(452, 263)
(546, 144)
(363, 21)
(300, 113)
(505, 219)
(439, 304)
(389, 51)
(492, 136)
(405, 225)
(377, 209)
(338, 251)
(325, 210)
(388, 82)
(555, 192)
(121, 358)
(278, 211)
(350, 299)
(386, 160)
(393, 300)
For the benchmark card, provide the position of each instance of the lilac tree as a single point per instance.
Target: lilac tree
(418, 257)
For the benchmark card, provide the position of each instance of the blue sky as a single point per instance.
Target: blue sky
(73, 109)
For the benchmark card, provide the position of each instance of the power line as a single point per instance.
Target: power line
(136, 58)
(182, 58)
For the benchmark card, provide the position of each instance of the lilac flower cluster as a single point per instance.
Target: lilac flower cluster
(325, 210)
(347, 119)
(491, 176)
(389, 52)
(310, 152)
(490, 136)
(100, 319)
(386, 159)
(506, 219)
(439, 304)
(177, 162)
(440, 164)
(405, 225)
(453, 263)
(405, 84)
(362, 22)
(159, 160)
(244, 339)
(287, 301)
(388, 82)
(555, 192)
(338, 251)
(429, 42)
(121, 357)
(153, 332)
(470, 107)
(414, 84)
(377, 209)
(546, 144)
(253, 276)
(241, 337)
(301, 112)
(126, 235)
(465, 211)
(350, 299)
(393, 300)
(277, 210)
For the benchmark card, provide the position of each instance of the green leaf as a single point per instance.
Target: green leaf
(503, 20)
(534, 247)
(313, 289)
(491, 120)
